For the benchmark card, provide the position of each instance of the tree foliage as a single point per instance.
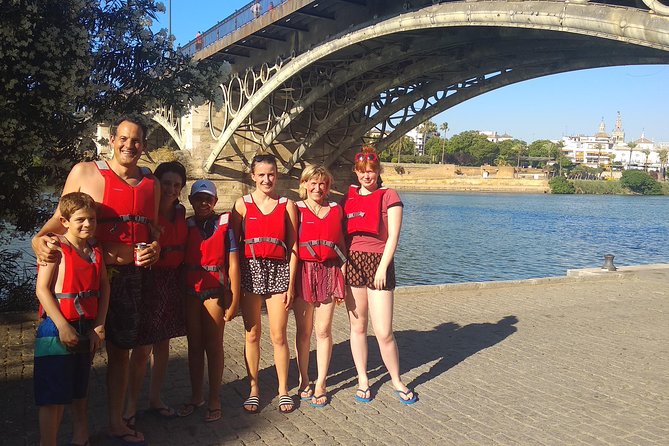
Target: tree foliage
(640, 182)
(72, 64)
(561, 185)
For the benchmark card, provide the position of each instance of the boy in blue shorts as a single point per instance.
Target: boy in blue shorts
(74, 295)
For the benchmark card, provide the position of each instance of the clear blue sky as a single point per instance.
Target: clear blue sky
(544, 108)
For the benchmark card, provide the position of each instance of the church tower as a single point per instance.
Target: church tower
(618, 135)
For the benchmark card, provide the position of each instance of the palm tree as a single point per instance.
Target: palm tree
(612, 156)
(632, 146)
(444, 128)
(646, 152)
(664, 157)
(598, 146)
(425, 129)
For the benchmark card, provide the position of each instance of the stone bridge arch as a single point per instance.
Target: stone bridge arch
(373, 75)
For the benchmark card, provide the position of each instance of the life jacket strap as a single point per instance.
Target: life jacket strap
(125, 219)
(77, 299)
(355, 214)
(252, 241)
(311, 243)
(170, 248)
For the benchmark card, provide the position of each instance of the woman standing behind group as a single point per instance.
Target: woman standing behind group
(267, 226)
(161, 312)
(321, 281)
(373, 222)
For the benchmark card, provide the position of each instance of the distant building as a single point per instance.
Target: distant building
(602, 149)
(496, 137)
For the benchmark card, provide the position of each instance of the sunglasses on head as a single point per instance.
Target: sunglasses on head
(264, 157)
(369, 156)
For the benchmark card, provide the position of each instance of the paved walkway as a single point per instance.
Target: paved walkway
(579, 360)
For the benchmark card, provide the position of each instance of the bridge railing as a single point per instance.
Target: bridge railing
(241, 17)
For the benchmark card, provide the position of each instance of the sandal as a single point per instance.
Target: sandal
(315, 399)
(130, 421)
(187, 409)
(252, 401)
(212, 415)
(162, 412)
(123, 439)
(404, 396)
(364, 398)
(285, 400)
(307, 393)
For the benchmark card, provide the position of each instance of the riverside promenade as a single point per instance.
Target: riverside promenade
(577, 360)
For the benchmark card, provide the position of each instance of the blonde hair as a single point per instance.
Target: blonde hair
(314, 171)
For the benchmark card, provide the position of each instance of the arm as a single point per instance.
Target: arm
(46, 277)
(232, 304)
(394, 225)
(291, 244)
(97, 334)
(45, 246)
(236, 217)
(151, 254)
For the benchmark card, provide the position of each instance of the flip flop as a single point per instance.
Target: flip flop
(88, 443)
(130, 421)
(404, 396)
(162, 412)
(285, 400)
(252, 401)
(212, 415)
(122, 439)
(319, 397)
(363, 399)
(187, 409)
(307, 393)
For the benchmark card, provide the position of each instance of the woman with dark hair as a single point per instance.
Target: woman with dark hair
(162, 309)
(267, 226)
(373, 222)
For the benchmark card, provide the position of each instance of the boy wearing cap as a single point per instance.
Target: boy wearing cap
(213, 290)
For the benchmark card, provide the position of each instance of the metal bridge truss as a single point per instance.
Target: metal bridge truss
(391, 75)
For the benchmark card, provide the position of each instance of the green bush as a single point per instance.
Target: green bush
(561, 185)
(599, 187)
(640, 182)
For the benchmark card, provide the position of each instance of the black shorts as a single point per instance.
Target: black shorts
(126, 288)
(362, 267)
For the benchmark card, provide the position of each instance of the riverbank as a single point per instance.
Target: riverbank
(579, 359)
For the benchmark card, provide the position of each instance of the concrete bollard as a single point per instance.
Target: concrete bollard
(608, 263)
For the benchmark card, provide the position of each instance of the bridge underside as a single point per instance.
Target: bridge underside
(380, 80)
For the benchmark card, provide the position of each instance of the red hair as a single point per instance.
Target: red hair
(367, 158)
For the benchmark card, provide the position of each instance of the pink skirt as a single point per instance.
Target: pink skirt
(321, 282)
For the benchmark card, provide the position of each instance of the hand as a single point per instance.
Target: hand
(68, 336)
(46, 248)
(96, 335)
(230, 308)
(288, 298)
(149, 255)
(380, 278)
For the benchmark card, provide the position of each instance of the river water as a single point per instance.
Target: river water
(465, 237)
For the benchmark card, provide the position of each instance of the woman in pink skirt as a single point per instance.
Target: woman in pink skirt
(321, 280)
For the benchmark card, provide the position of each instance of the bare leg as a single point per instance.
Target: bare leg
(278, 321)
(117, 386)
(79, 421)
(160, 358)
(212, 329)
(356, 303)
(137, 371)
(250, 304)
(324, 314)
(49, 421)
(304, 317)
(195, 348)
(381, 311)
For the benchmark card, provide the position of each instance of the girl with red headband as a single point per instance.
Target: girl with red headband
(373, 221)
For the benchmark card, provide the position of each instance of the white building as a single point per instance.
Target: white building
(602, 149)
(493, 136)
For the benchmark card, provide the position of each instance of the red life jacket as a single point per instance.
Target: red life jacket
(363, 212)
(173, 239)
(206, 268)
(126, 211)
(78, 297)
(318, 237)
(264, 235)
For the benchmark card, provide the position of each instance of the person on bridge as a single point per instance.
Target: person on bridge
(373, 221)
(161, 311)
(321, 248)
(267, 226)
(128, 198)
